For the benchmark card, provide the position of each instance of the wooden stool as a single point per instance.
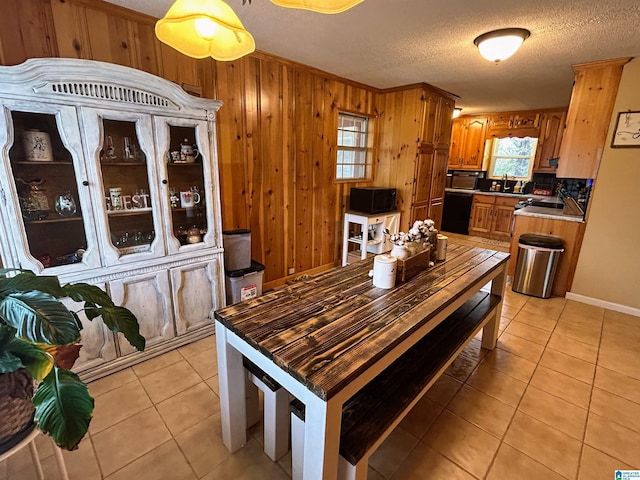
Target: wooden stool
(276, 410)
(30, 440)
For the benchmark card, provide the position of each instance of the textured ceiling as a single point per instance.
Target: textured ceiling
(387, 43)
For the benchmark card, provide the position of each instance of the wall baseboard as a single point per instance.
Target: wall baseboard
(603, 303)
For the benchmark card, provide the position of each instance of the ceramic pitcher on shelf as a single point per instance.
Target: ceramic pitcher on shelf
(188, 152)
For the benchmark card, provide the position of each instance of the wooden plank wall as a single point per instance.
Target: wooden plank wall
(276, 129)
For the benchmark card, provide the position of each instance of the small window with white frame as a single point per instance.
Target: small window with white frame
(354, 152)
(513, 157)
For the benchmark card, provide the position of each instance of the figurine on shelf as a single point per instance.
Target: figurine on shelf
(65, 204)
(109, 151)
(33, 199)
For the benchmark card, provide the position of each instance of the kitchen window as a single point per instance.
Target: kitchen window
(513, 157)
(354, 152)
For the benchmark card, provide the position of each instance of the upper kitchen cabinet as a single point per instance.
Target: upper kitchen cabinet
(590, 109)
(514, 124)
(110, 177)
(549, 141)
(436, 119)
(467, 143)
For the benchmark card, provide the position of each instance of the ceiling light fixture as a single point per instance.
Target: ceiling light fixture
(205, 28)
(499, 45)
(456, 112)
(320, 6)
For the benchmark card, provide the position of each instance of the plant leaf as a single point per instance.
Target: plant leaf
(119, 319)
(9, 362)
(35, 359)
(28, 281)
(39, 318)
(63, 407)
(83, 292)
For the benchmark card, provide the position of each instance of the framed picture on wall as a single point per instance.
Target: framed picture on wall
(626, 134)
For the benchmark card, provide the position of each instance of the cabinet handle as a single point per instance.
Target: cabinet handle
(85, 183)
(164, 182)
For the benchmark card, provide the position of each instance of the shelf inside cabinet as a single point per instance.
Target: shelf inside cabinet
(184, 164)
(76, 218)
(41, 163)
(131, 211)
(123, 164)
(369, 242)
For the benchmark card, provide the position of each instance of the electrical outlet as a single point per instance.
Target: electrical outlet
(292, 271)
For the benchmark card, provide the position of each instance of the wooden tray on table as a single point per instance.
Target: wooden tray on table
(410, 267)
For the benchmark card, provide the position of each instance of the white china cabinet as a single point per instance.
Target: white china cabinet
(110, 177)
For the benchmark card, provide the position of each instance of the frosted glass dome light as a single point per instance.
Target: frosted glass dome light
(499, 45)
(320, 6)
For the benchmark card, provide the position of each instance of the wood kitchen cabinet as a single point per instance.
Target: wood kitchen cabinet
(492, 216)
(549, 141)
(106, 204)
(524, 123)
(570, 232)
(467, 143)
(587, 124)
(413, 159)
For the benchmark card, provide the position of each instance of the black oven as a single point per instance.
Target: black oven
(456, 212)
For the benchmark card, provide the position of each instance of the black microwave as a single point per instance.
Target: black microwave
(372, 199)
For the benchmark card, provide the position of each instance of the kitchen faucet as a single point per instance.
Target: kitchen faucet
(504, 183)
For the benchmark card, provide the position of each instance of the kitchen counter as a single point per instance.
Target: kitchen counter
(523, 196)
(550, 213)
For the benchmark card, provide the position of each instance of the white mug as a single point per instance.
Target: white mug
(189, 199)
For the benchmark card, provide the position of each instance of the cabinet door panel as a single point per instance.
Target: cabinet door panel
(435, 212)
(182, 177)
(429, 129)
(445, 116)
(549, 141)
(148, 296)
(422, 188)
(46, 201)
(473, 149)
(419, 212)
(196, 294)
(122, 158)
(503, 219)
(439, 175)
(458, 129)
(481, 217)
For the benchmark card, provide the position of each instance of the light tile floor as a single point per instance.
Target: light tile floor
(558, 398)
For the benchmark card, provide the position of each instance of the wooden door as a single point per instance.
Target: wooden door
(439, 175)
(502, 222)
(148, 296)
(419, 212)
(475, 136)
(423, 169)
(444, 121)
(458, 130)
(429, 130)
(196, 294)
(551, 130)
(481, 214)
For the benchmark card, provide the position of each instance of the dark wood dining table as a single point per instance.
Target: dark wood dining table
(324, 338)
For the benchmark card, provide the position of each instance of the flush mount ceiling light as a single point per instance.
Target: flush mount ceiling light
(499, 45)
(320, 6)
(205, 28)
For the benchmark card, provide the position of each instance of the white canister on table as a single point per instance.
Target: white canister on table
(37, 146)
(441, 250)
(384, 271)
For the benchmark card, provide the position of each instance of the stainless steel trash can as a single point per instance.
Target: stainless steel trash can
(538, 257)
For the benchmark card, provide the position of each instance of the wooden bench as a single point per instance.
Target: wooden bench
(371, 414)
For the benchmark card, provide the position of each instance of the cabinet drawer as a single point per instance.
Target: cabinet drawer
(507, 201)
(478, 198)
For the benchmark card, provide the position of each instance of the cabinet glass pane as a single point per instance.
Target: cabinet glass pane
(45, 180)
(126, 182)
(186, 186)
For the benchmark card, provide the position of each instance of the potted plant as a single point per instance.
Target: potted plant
(39, 340)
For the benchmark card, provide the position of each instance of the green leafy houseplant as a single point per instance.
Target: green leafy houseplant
(40, 336)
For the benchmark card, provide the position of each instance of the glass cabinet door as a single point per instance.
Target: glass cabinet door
(49, 207)
(121, 151)
(186, 181)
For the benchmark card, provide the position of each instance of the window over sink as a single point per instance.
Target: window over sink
(513, 157)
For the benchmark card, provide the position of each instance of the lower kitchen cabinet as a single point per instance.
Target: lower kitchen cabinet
(492, 216)
(570, 231)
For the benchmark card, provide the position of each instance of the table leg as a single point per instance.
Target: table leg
(232, 392)
(490, 330)
(321, 438)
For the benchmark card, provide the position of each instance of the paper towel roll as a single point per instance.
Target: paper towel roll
(384, 271)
